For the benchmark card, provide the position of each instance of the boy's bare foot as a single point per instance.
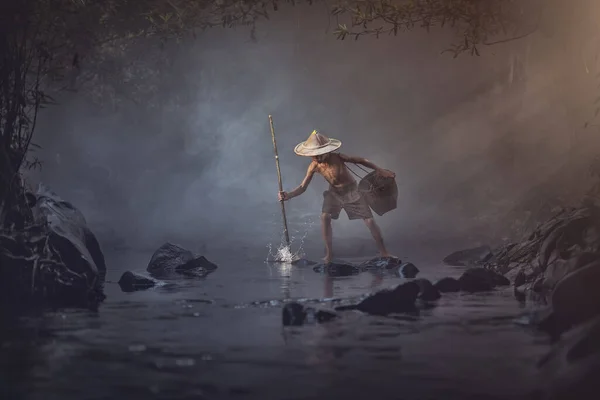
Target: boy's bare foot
(327, 259)
(385, 254)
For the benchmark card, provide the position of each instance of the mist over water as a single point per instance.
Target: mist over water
(466, 137)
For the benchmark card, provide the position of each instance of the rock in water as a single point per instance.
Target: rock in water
(131, 282)
(381, 263)
(576, 298)
(71, 236)
(55, 261)
(559, 269)
(295, 314)
(447, 285)
(519, 278)
(571, 369)
(407, 270)
(337, 268)
(198, 266)
(470, 282)
(324, 316)
(168, 257)
(401, 299)
(427, 292)
(171, 258)
(481, 280)
(468, 257)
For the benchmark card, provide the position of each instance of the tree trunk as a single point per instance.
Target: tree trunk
(10, 186)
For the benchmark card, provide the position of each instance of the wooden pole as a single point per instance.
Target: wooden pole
(285, 227)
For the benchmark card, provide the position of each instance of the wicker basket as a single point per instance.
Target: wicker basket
(381, 193)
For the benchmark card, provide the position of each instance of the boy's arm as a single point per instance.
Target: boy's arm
(366, 163)
(359, 160)
(302, 188)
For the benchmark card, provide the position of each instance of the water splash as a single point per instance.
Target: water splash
(284, 253)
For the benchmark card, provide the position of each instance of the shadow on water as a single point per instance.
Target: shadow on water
(19, 353)
(222, 337)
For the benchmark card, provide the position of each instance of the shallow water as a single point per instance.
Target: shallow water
(222, 337)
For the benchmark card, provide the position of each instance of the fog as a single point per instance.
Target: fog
(468, 137)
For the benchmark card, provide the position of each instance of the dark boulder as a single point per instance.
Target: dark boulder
(481, 280)
(171, 258)
(53, 258)
(404, 270)
(520, 273)
(93, 246)
(566, 242)
(447, 285)
(496, 278)
(168, 258)
(70, 234)
(131, 282)
(559, 269)
(427, 292)
(470, 282)
(519, 279)
(337, 268)
(197, 267)
(399, 300)
(576, 299)
(324, 316)
(295, 314)
(381, 263)
(468, 257)
(571, 369)
(407, 270)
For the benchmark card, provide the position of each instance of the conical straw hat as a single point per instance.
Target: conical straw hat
(317, 144)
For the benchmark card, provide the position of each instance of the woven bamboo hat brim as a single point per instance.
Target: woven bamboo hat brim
(317, 144)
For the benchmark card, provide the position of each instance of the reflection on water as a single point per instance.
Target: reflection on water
(284, 272)
(222, 338)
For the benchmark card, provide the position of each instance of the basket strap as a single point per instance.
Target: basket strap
(350, 169)
(358, 176)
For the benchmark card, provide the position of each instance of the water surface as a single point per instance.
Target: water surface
(222, 337)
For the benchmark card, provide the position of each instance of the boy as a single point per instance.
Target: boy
(343, 190)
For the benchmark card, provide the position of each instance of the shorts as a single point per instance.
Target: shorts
(347, 198)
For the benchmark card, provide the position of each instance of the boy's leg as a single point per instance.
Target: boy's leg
(327, 236)
(376, 232)
(331, 210)
(360, 210)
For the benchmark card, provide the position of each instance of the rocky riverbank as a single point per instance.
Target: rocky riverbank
(557, 267)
